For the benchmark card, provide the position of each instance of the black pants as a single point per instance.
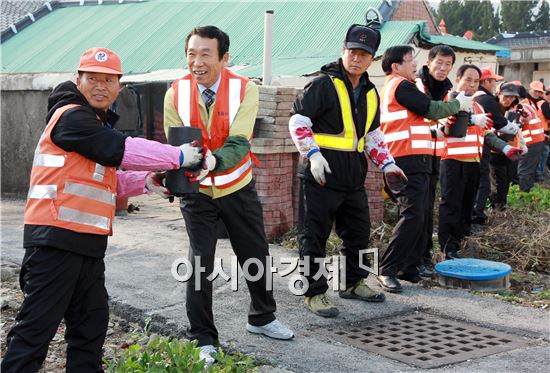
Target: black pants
(484, 188)
(459, 182)
(527, 166)
(408, 241)
(350, 211)
(241, 212)
(434, 177)
(59, 284)
(502, 171)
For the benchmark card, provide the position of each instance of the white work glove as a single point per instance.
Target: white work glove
(510, 129)
(395, 178)
(524, 149)
(466, 102)
(482, 120)
(318, 166)
(208, 164)
(155, 184)
(191, 154)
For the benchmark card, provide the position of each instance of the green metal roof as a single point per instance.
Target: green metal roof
(149, 36)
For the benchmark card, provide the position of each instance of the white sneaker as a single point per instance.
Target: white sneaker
(274, 330)
(206, 353)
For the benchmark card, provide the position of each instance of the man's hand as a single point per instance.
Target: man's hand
(155, 184)
(466, 102)
(449, 122)
(395, 178)
(524, 149)
(319, 165)
(208, 164)
(510, 129)
(511, 152)
(190, 154)
(482, 120)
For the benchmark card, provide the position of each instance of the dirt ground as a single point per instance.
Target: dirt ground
(120, 333)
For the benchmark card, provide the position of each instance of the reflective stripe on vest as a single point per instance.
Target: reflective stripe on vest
(469, 146)
(439, 143)
(405, 132)
(533, 131)
(236, 87)
(68, 190)
(347, 139)
(184, 100)
(83, 218)
(543, 119)
(226, 179)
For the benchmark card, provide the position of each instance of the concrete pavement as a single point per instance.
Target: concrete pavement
(140, 284)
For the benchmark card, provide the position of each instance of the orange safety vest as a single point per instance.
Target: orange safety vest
(544, 121)
(228, 100)
(533, 132)
(439, 143)
(405, 132)
(469, 146)
(68, 190)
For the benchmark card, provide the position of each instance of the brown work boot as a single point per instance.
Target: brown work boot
(361, 291)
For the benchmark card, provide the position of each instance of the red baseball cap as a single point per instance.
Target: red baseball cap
(100, 60)
(488, 73)
(537, 86)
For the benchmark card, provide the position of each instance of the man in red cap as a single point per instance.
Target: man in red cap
(488, 101)
(69, 213)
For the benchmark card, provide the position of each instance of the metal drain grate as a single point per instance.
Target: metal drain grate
(424, 340)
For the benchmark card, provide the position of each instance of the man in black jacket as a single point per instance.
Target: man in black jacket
(69, 213)
(403, 121)
(434, 82)
(335, 126)
(485, 97)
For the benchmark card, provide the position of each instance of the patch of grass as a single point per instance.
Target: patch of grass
(504, 295)
(291, 238)
(536, 200)
(543, 295)
(165, 355)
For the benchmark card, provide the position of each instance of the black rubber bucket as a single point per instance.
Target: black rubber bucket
(458, 129)
(176, 181)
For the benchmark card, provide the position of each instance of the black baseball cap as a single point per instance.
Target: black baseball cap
(362, 37)
(508, 89)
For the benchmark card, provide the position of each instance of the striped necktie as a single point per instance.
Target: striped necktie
(209, 96)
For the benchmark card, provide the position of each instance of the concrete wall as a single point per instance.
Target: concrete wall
(23, 119)
(23, 113)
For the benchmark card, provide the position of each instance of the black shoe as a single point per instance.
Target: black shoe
(452, 255)
(481, 220)
(424, 271)
(389, 284)
(476, 228)
(410, 277)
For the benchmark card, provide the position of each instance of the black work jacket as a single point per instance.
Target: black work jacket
(320, 103)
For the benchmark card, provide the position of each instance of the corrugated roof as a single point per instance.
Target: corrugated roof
(522, 39)
(149, 36)
(463, 43)
(12, 11)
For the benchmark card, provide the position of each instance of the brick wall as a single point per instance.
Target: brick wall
(276, 180)
(415, 10)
